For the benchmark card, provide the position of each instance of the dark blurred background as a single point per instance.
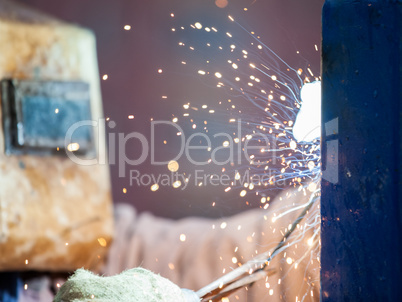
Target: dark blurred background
(131, 60)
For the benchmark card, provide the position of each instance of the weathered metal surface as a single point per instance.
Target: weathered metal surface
(361, 208)
(54, 214)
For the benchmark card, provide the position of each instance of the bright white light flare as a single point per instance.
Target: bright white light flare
(308, 121)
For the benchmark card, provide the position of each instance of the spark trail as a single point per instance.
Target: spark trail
(278, 108)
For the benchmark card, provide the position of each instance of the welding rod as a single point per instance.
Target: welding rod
(236, 279)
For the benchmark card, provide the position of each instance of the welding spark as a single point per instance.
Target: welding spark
(272, 100)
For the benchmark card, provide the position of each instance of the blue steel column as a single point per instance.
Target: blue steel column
(361, 151)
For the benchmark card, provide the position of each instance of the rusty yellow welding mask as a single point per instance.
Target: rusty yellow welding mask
(55, 203)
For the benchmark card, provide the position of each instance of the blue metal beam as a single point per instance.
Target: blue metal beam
(361, 256)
